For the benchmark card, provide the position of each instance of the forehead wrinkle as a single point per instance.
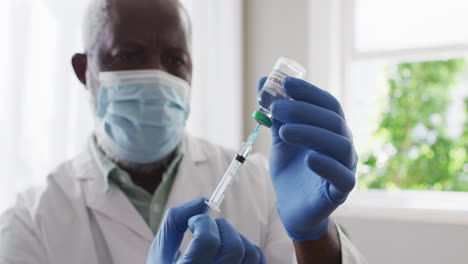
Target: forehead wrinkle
(172, 37)
(99, 14)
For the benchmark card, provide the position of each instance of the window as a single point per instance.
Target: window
(385, 25)
(418, 128)
(405, 65)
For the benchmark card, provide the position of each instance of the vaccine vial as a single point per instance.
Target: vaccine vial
(272, 90)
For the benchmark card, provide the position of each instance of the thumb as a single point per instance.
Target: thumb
(205, 243)
(167, 242)
(260, 84)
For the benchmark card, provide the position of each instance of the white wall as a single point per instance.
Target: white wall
(274, 28)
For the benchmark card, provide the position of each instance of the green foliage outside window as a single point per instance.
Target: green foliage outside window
(416, 150)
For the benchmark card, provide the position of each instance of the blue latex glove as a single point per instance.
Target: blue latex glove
(214, 241)
(312, 160)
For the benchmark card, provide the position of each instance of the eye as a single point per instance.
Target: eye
(127, 57)
(176, 61)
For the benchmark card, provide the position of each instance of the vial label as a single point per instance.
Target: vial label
(267, 90)
(275, 82)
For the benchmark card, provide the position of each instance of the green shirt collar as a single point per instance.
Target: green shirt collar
(110, 170)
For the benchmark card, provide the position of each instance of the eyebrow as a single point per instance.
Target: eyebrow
(184, 50)
(132, 42)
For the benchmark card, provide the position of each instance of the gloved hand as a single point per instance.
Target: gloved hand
(312, 160)
(214, 241)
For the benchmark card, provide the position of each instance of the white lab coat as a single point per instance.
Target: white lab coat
(71, 219)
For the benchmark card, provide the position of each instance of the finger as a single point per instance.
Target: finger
(262, 257)
(261, 82)
(205, 243)
(181, 214)
(167, 242)
(342, 179)
(253, 254)
(232, 249)
(298, 112)
(320, 140)
(301, 90)
(275, 131)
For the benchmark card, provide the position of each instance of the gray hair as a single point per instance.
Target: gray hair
(97, 15)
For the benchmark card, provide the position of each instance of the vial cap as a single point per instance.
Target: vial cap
(262, 118)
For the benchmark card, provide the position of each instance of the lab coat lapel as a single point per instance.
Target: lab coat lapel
(190, 183)
(112, 203)
(194, 178)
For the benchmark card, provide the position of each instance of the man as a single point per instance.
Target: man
(105, 205)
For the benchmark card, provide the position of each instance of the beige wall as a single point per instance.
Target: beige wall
(272, 28)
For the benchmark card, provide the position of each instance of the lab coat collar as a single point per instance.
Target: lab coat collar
(194, 164)
(85, 162)
(114, 203)
(193, 176)
(194, 150)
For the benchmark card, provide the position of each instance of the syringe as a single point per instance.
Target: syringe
(231, 173)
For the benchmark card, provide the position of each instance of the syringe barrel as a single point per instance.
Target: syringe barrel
(224, 185)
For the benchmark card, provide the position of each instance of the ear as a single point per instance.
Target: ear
(79, 63)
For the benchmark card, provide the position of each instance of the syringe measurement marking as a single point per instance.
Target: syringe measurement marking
(226, 181)
(229, 176)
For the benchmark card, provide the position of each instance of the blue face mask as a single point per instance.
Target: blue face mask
(141, 114)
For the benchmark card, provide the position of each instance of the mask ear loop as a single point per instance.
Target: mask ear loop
(89, 95)
(93, 72)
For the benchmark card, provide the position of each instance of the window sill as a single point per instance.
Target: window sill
(413, 206)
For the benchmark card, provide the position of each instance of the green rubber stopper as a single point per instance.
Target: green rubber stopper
(262, 118)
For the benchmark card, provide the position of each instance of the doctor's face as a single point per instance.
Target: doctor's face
(141, 34)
